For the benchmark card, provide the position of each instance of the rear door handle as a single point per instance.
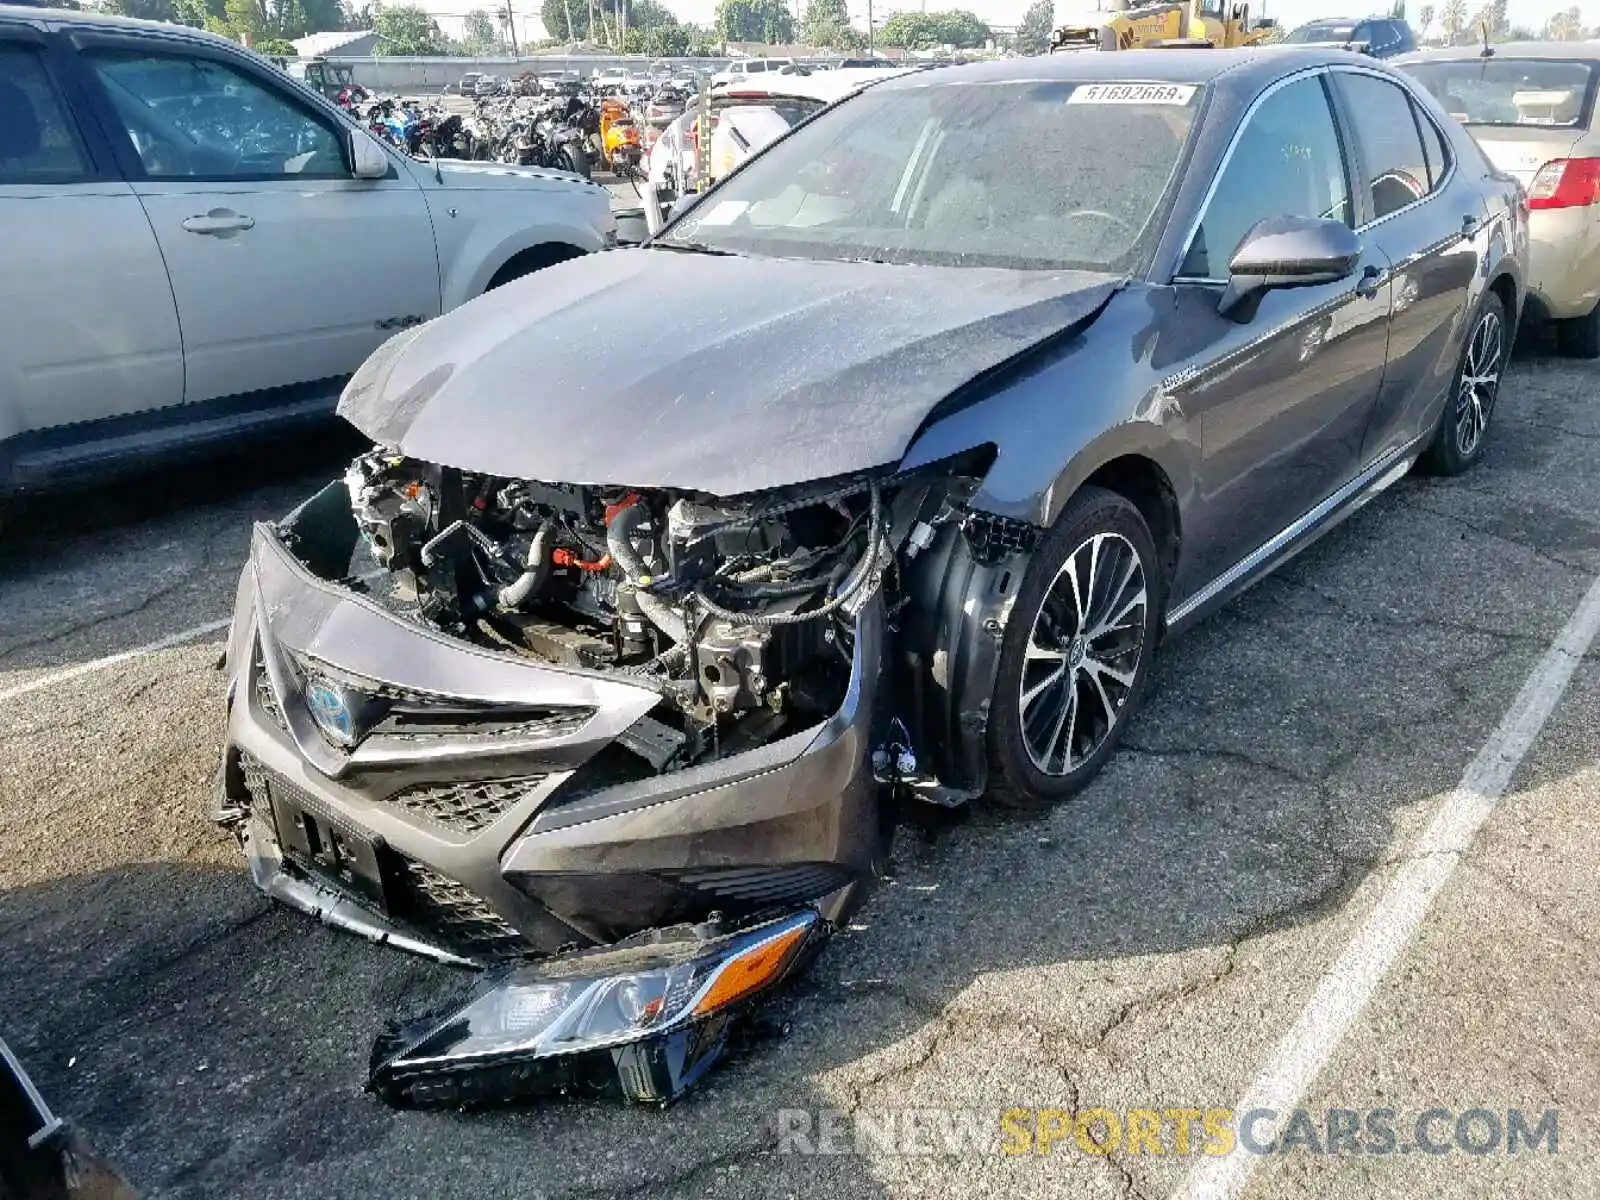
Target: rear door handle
(1371, 282)
(219, 221)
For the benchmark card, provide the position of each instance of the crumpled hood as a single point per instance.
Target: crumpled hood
(653, 368)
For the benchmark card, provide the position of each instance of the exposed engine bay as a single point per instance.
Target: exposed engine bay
(736, 611)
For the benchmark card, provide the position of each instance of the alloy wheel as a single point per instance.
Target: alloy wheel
(1480, 383)
(1083, 654)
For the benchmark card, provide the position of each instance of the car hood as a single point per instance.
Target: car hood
(724, 375)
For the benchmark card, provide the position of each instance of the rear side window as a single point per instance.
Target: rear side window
(38, 140)
(1433, 146)
(1393, 160)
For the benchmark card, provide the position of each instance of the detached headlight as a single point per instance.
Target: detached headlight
(643, 1020)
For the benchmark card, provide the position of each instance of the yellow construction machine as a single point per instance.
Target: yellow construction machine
(1206, 23)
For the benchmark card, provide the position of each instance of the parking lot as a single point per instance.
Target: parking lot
(1147, 946)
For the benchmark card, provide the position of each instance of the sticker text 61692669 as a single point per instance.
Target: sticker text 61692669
(1133, 93)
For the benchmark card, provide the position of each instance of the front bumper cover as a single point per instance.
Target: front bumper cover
(479, 848)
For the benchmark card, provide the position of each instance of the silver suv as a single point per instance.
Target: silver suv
(198, 247)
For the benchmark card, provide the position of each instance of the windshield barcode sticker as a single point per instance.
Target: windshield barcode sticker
(1133, 93)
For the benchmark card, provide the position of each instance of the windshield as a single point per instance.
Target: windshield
(1043, 175)
(1511, 91)
(1323, 33)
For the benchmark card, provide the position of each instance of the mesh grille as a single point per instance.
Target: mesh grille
(466, 807)
(452, 913)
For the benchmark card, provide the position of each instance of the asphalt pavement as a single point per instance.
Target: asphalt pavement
(1150, 946)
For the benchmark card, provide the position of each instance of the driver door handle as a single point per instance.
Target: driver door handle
(219, 220)
(1371, 282)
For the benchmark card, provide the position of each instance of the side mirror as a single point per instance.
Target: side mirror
(367, 159)
(1286, 252)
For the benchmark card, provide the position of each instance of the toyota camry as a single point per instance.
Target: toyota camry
(882, 471)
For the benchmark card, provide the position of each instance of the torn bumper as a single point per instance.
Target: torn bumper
(482, 838)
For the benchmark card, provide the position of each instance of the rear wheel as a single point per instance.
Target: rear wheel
(1579, 337)
(1077, 651)
(1464, 425)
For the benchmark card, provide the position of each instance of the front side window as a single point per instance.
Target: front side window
(1034, 175)
(1396, 166)
(38, 139)
(1511, 91)
(1286, 163)
(197, 118)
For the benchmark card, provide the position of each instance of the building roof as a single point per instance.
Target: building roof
(315, 45)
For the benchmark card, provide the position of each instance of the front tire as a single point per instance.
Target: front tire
(1464, 425)
(1077, 651)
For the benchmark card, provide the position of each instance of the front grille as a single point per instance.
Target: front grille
(466, 807)
(255, 782)
(420, 725)
(763, 885)
(437, 906)
(451, 912)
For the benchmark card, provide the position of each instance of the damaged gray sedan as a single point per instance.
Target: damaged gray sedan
(882, 472)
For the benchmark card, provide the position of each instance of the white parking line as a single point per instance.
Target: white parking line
(1344, 991)
(67, 674)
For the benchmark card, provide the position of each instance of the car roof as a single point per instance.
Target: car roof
(1580, 51)
(57, 18)
(1246, 67)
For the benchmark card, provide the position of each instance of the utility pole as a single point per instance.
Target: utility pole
(871, 32)
(511, 26)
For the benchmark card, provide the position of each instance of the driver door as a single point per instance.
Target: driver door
(287, 270)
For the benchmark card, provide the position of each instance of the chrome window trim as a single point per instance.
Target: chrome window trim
(1269, 91)
(1417, 107)
(1377, 475)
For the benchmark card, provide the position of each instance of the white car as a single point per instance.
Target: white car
(198, 247)
(742, 70)
(782, 101)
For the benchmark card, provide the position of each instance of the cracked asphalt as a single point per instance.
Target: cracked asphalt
(1145, 947)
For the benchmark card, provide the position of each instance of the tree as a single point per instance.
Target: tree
(767, 21)
(479, 34)
(1454, 19)
(827, 23)
(275, 47)
(926, 31)
(144, 10)
(406, 29)
(1565, 26)
(1398, 10)
(1424, 20)
(1033, 34)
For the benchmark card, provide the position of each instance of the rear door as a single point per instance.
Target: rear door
(1430, 226)
(287, 270)
(88, 328)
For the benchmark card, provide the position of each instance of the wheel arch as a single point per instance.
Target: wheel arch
(530, 259)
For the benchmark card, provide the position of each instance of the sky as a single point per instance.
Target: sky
(1290, 13)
